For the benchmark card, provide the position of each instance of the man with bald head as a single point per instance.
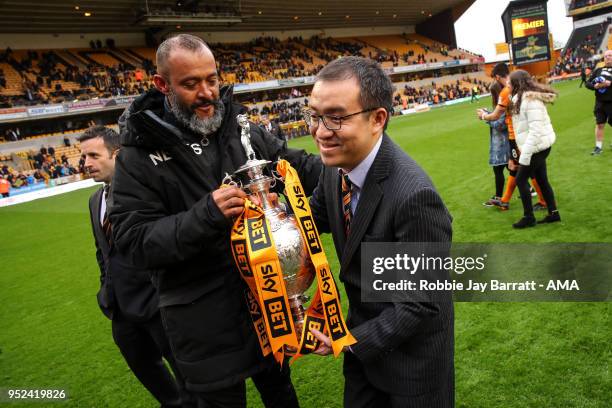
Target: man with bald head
(600, 82)
(169, 214)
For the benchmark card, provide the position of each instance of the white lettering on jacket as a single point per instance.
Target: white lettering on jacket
(159, 156)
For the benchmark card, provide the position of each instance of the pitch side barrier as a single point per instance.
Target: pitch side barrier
(424, 107)
(562, 78)
(41, 190)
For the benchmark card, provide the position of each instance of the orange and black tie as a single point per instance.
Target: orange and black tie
(346, 202)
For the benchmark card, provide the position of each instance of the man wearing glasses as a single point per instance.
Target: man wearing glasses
(370, 190)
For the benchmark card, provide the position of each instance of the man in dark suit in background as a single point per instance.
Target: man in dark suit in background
(272, 127)
(126, 294)
(370, 190)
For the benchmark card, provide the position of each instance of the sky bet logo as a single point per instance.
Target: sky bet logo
(310, 341)
(241, 258)
(257, 319)
(275, 308)
(311, 234)
(336, 328)
(258, 234)
(278, 317)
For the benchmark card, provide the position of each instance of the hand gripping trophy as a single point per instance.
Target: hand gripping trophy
(279, 258)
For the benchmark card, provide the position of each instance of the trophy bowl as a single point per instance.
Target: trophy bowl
(297, 268)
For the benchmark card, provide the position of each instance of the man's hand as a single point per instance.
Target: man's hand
(230, 201)
(324, 348)
(512, 165)
(604, 84)
(480, 113)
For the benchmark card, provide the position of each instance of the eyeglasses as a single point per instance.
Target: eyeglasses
(331, 122)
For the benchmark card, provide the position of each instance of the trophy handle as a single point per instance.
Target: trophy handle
(229, 180)
(275, 174)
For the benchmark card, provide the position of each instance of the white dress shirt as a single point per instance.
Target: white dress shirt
(359, 174)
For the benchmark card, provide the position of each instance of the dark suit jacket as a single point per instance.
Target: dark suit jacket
(406, 348)
(122, 286)
(276, 130)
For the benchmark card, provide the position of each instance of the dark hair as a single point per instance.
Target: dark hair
(522, 82)
(110, 137)
(183, 41)
(375, 87)
(495, 90)
(501, 69)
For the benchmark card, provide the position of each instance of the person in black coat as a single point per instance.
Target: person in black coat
(371, 191)
(600, 81)
(127, 295)
(272, 127)
(179, 140)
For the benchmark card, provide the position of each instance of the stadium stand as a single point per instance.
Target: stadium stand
(28, 167)
(53, 76)
(576, 4)
(586, 41)
(583, 47)
(57, 75)
(61, 75)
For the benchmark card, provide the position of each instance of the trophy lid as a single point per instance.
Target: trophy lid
(253, 165)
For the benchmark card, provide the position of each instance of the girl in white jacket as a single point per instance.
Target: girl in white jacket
(534, 137)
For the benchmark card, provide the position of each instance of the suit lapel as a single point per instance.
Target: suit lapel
(371, 195)
(100, 235)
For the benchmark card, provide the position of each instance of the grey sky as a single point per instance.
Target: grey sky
(480, 27)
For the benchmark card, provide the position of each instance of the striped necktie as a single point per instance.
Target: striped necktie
(346, 202)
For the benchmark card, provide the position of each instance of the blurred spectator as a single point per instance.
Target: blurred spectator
(5, 186)
(13, 135)
(272, 127)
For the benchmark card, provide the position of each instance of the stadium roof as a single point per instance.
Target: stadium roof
(65, 16)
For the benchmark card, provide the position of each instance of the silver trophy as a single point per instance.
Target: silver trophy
(298, 270)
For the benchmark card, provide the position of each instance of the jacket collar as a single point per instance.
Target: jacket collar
(545, 97)
(142, 123)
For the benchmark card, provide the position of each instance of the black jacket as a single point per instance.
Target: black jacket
(605, 72)
(405, 348)
(275, 130)
(124, 289)
(164, 217)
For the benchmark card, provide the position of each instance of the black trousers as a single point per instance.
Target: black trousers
(536, 169)
(500, 180)
(360, 393)
(274, 386)
(143, 345)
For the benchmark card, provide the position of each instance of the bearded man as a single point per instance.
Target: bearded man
(169, 214)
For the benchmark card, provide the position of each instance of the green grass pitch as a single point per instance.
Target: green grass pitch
(545, 355)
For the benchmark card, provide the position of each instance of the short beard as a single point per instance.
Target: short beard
(188, 118)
